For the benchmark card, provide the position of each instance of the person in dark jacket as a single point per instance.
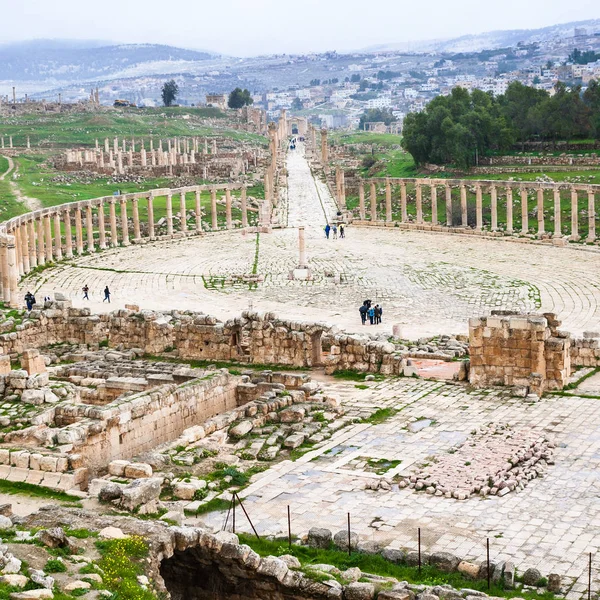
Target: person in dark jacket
(363, 313)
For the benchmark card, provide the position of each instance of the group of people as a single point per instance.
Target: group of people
(333, 229)
(373, 313)
(85, 289)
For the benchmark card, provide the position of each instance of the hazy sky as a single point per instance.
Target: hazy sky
(249, 27)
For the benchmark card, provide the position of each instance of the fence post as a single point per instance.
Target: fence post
(419, 550)
(488, 562)
(349, 544)
(289, 528)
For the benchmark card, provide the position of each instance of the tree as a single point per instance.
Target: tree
(239, 98)
(583, 58)
(297, 104)
(355, 78)
(591, 98)
(169, 92)
(314, 82)
(376, 115)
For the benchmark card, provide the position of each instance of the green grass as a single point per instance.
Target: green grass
(35, 491)
(350, 375)
(377, 565)
(55, 565)
(387, 140)
(380, 416)
(9, 207)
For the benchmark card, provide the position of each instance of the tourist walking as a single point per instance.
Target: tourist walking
(106, 295)
(371, 314)
(342, 232)
(378, 313)
(85, 290)
(29, 300)
(363, 313)
(327, 230)
(335, 232)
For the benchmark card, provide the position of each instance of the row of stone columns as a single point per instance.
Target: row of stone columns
(39, 240)
(493, 190)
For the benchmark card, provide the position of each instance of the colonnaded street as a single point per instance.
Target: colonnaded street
(429, 283)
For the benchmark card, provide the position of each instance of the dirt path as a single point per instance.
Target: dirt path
(31, 203)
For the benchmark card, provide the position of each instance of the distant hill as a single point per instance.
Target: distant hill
(491, 39)
(67, 60)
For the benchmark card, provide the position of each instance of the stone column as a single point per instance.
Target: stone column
(18, 256)
(89, 228)
(574, 215)
(361, 200)
(244, 203)
(57, 237)
(509, 210)
(388, 201)
(373, 202)
(557, 215)
(540, 211)
(78, 231)
(13, 272)
(302, 248)
(524, 211)
(4, 270)
(478, 208)
(448, 192)
(419, 202)
(137, 237)
(434, 206)
(68, 238)
(591, 216)
(48, 236)
(199, 210)
(343, 190)
(213, 209)
(101, 226)
(114, 239)
(169, 214)
(403, 203)
(463, 206)
(151, 216)
(24, 235)
(32, 250)
(41, 251)
(183, 212)
(124, 222)
(324, 148)
(494, 203)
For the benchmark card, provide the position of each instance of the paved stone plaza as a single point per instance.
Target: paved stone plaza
(429, 283)
(552, 524)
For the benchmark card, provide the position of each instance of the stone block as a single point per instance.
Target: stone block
(138, 470)
(116, 468)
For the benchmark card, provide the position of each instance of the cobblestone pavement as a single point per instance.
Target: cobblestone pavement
(427, 282)
(551, 524)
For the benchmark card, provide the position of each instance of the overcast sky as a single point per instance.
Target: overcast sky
(250, 27)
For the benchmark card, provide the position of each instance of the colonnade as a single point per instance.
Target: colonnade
(516, 195)
(47, 235)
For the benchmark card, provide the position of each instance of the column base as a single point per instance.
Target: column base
(574, 238)
(69, 255)
(125, 243)
(102, 246)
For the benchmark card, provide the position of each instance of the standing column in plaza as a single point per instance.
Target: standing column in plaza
(57, 237)
(137, 236)
(403, 203)
(324, 148)
(388, 200)
(591, 216)
(68, 239)
(540, 211)
(267, 186)
(434, 206)
(89, 228)
(574, 215)
(228, 219)
(478, 208)
(419, 201)
(524, 211)
(169, 214)
(373, 202)
(13, 272)
(509, 210)
(101, 226)
(4, 270)
(343, 191)
(78, 231)
(302, 248)
(124, 222)
(213, 209)
(199, 210)
(448, 192)
(182, 212)
(151, 216)
(557, 215)
(494, 206)
(32, 249)
(40, 239)
(114, 240)
(361, 200)
(244, 203)
(463, 205)
(24, 234)
(18, 256)
(48, 236)
(338, 186)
